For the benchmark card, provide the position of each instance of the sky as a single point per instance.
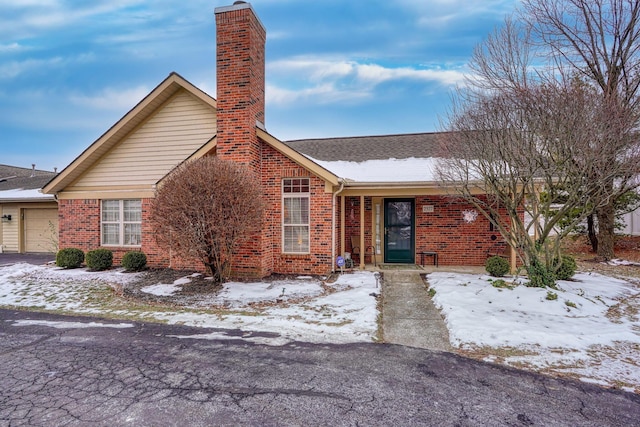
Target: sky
(70, 69)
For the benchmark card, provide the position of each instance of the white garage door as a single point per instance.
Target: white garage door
(40, 230)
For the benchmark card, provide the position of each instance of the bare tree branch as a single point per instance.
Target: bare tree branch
(205, 210)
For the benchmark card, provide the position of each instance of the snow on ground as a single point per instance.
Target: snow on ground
(297, 309)
(591, 331)
(71, 325)
(302, 309)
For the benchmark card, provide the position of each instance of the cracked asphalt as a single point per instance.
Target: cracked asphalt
(146, 376)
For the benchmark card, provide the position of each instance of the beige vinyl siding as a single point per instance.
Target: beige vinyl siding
(11, 229)
(146, 155)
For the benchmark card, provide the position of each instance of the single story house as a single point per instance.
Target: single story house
(372, 195)
(28, 218)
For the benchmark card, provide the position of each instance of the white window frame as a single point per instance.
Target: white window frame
(296, 195)
(121, 224)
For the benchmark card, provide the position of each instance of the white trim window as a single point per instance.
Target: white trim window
(121, 222)
(295, 215)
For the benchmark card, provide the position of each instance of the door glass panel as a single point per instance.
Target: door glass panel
(399, 231)
(399, 225)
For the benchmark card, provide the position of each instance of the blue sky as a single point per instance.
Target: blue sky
(69, 69)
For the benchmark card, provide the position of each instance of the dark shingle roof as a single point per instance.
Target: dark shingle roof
(13, 178)
(361, 148)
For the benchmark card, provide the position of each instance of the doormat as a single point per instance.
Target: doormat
(400, 267)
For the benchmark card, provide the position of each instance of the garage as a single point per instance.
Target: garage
(40, 230)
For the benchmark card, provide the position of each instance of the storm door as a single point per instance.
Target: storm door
(399, 244)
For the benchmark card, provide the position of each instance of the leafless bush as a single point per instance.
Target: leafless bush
(205, 210)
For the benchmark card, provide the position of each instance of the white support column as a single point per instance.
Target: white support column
(342, 209)
(362, 250)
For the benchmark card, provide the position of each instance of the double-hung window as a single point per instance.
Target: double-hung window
(295, 215)
(121, 222)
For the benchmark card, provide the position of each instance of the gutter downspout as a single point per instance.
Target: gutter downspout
(333, 225)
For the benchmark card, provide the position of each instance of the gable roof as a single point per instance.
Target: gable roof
(298, 157)
(332, 159)
(19, 184)
(137, 115)
(13, 178)
(362, 148)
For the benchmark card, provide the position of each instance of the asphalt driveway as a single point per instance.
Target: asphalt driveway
(35, 259)
(57, 370)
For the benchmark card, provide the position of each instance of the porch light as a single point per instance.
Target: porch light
(6, 218)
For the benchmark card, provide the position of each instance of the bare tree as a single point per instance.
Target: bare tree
(205, 210)
(522, 137)
(599, 41)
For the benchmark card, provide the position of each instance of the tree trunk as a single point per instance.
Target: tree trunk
(591, 233)
(606, 231)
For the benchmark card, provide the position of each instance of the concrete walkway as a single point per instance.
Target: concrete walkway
(409, 317)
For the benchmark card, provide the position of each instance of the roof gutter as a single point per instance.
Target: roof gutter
(28, 200)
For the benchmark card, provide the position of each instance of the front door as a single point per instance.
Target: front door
(399, 246)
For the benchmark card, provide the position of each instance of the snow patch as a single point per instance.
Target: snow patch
(71, 325)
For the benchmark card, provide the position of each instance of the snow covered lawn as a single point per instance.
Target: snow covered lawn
(591, 331)
(304, 309)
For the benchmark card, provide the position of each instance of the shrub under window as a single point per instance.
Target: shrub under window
(99, 259)
(134, 261)
(69, 258)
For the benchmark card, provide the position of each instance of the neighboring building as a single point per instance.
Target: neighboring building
(28, 218)
(323, 197)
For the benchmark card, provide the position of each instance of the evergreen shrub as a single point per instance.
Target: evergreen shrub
(134, 261)
(99, 259)
(69, 258)
(497, 266)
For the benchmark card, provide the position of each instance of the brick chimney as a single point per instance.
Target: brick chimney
(240, 70)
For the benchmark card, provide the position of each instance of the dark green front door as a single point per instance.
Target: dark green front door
(399, 245)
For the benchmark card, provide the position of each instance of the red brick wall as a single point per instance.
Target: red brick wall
(443, 230)
(79, 224)
(80, 228)
(276, 167)
(240, 74)
(446, 232)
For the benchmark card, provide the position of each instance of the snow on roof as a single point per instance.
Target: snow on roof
(21, 194)
(385, 170)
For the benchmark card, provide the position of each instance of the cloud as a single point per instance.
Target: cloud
(11, 47)
(336, 80)
(378, 74)
(13, 69)
(26, 18)
(325, 93)
(111, 99)
(445, 12)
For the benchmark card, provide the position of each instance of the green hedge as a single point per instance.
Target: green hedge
(69, 258)
(497, 266)
(99, 259)
(134, 261)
